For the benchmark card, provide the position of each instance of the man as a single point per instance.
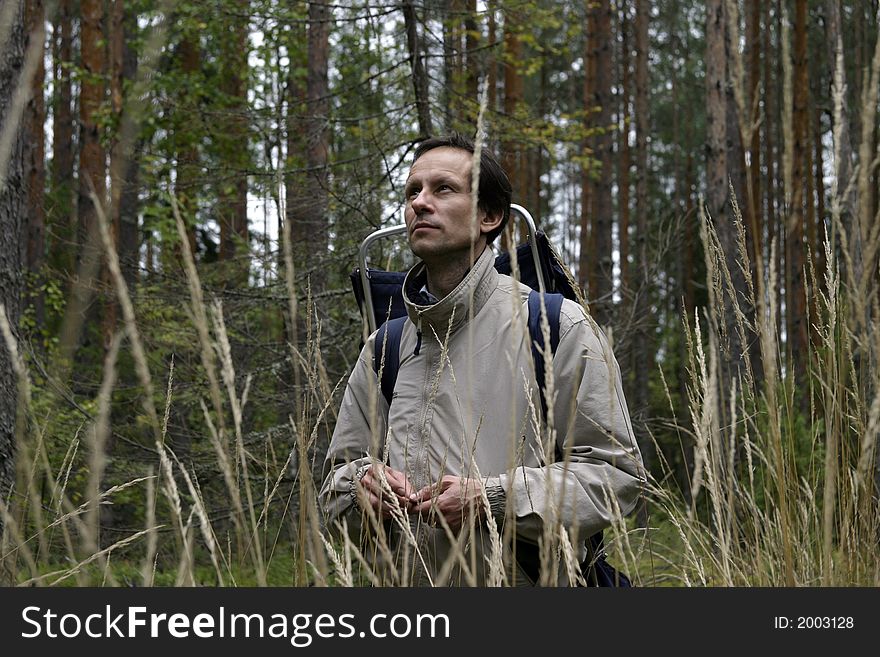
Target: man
(442, 485)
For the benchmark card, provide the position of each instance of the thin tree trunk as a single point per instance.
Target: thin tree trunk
(448, 64)
(625, 161)
(473, 59)
(318, 133)
(643, 353)
(820, 195)
(513, 152)
(35, 170)
(188, 168)
(92, 164)
(115, 64)
(63, 215)
(419, 75)
(795, 233)
(602, 281)
(128, 163)
(586, 267)
(753, 48)
(727, 231)
(233, 143)
(492, 64)
(844, 206)
(780, 205)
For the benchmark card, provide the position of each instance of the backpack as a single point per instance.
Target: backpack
(595, 569)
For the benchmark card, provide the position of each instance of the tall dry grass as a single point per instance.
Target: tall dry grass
(773, 500)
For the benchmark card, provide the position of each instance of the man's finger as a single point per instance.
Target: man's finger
(425, 493)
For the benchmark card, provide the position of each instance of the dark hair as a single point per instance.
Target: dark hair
(494, 192)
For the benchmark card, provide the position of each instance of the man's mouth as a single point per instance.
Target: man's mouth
(423, 224)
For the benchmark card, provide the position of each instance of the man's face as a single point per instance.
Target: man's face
(438, 206)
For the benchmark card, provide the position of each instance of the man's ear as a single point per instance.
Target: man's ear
(489, 221)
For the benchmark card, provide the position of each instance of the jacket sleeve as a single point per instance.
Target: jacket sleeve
(602, 469)
(357, 439)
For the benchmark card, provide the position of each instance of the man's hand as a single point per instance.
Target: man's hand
(373, 493)
(451, 497)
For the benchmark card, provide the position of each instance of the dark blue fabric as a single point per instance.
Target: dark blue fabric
(555, 277)
(553, 304)
(386, 288)
(388, 334)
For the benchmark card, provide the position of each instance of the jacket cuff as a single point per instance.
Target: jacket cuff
(497, 499)
(355, 482)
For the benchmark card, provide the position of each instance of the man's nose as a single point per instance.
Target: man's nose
(421, 202)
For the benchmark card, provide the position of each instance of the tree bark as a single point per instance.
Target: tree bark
(34, 163)
(318, 134)
(232, 210)
(643, 352)
(128, 162)
(188, 169)
(753, 49)
(795, 233)
(602, 280)
(63, 210)
(586, 268)
(473, 59)
(92, 157)
(419, 75)
(514, 155)
(12, 208)
(492, 64)
(625, 161)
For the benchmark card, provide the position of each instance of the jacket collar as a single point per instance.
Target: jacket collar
(481, 281)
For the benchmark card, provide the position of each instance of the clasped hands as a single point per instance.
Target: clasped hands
(451, 497)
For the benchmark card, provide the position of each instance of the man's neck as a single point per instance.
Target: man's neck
(444, 277)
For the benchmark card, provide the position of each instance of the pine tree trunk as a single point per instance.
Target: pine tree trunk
(129, 165)
(753, 48)
(513, 153)
(643, 352)
(492, 64)
(625, 161)
(35, 170)
(602, 280)
(233, 144)
(83, 319)
(188, 166)
(473, 59)
(448, 97)
(318, 134)
(419, 75)
(586, 267)
(63, 213)
(733, 362)
(92, 158)
(115, 34)
(754, 217)
(820, 196)
(795, 233)
(12, 208)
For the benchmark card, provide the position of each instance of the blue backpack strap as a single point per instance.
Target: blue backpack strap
(553, 304)
(388, 334)
(596, 570)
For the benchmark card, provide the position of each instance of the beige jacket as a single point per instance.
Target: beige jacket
(467, 404)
